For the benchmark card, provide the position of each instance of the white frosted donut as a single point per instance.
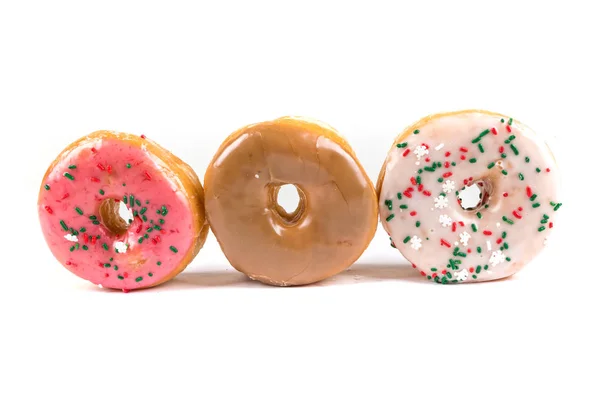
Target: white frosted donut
(468, 196)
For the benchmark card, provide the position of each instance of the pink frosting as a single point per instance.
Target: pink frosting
(157, 239)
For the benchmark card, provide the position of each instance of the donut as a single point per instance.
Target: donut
(332, 225)
(468, 196)
(121, 211)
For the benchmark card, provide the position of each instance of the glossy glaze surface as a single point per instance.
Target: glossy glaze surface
(336, 218)
(420, 195)
(79, 205)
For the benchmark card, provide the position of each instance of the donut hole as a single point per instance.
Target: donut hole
(288, 202)
(115, 216)
(474, 196)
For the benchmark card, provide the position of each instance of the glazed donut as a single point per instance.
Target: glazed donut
(468, 196)
(334, 221)
(121, 211)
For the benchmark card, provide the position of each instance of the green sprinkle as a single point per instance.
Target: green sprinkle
(101, 192)
(105, 246)
(164, 211)
(533, 197)
(478, 269)
(173, 249)
(128, 165)
(110, 259)
(406, 239)
(545, 216)
(478, 215)
(418, 180)
(440, 180)
(504, 235)
(143, 210)
(96, 222)
(146, 236)
(510, 139)
(72, 248)
(538, 170)
(150, 274)
(433, 269)
(397, 194)
(535, 205)
(478, 249)
(514, 149)
(416, 131)
(473, 160)
(72, 166)
(84, 247)
(158, 263)
(503, 155)
(418, 224)
(74, 232)
(124, 184)
(526, 159)
(144, 218)
(157, 228)
(47, 187)
(120, 277)
(138, 203)
(141, 239)
(403, 206)
(507, 258)
(452, 264)
(428, 276)
(388, 203)
(505, 245)
(82, 230)
(453, 164)
(510, 121)
(521, 177)
(507, 220)
(390, 217)
(474, 276)
(481, 148)
(420, 170)
(491, 165)
(429, 169)
(79, 211)
(448, 274)
(556, 207)
(161, 221)
(474, 227)
(125, 199)
(64, 226)
(502, 120)
(504, 172)
(116, 268)
(68, 176)
(107, 265)
(138, 279)
(93, 217)
(131, 202)
(541, 228)
(402, 145)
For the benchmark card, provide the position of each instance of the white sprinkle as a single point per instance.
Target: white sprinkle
(448, 186)
(417, 163)
(445, 220)
(420, 151)
(497, 257)
(415, 242)
(439, 146)
(456, 243)
(497, 224)
(71, 238)
(462, 275)
(489, 245)
(464, 238)
(120, 247)
(441, 202)
(256, 176)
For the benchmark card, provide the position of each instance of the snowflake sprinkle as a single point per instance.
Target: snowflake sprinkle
(497, 258)
(448, 186)
(415, 242)
(464, 238)
(441, 202)
(462, 275)
(71, 238)
(420, 151)
(121, 247)
(445, 220)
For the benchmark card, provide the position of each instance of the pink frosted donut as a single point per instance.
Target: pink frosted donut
(468, 196)
(121, 211)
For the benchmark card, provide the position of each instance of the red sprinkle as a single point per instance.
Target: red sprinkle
(499, 240)
(425, 145)
(49, 210)
(434, 275)
(125, 290)
(468, 250)
(157, 238)
(461, 223)
(413, 213)
(413, 265)
(86, 238)
(420, 187)
(143, 136)
(494, 131)
(413, 180)
(487, 233)
(94, 179)
(125, 274)
(447, 154)
(454, 227)
(445, 243)
(517, 215)
(520, 208)
(147, 175)
(94, 150)
(410, 189)
(505, 194)
(423, 273)
(94, 239)
(407, 193)
(447, 174)
(109, 169)
(547, 169)
(427, 159)
(464, 149)
(462, 157)
(65, 196)
(100, 166)
(447, 164)
(471, 269)
(508, 128)
(444, 272)
(405, 152)
(426, 192)
(106, 275)
(501, 149)
(550, 225)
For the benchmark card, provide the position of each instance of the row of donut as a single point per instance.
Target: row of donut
(465, 196)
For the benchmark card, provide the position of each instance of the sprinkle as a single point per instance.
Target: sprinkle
(472, 160)
(478, 215)
(533, 197)
(131, 202)
(528, 191)
(138, 279)
(439, 146)
(508, 221)
(120, 277)
(413, 213)
(161, 221)
(100, 167)
(150, 274)
(541, 228)
(510, 121)
(128, 165)
(514, 149)
(494, 131)
(510, 139)
(556, 207)
(482, 134)
(388, 203)
(418, 224)
(101, 192)
(478, 249)
(416, 131)
(47, 187)
(173, 249)
(487, 233)
(48, 209)
(474, 227)
(521, 177)
(85, 247)
(535, 205)
(125, 199)
(138, 203)
(390, 217)
(159, 263)
(164, 211)
(68, 176)
(406, 152)
(105, 246)
(538, 170)
(481, 148)
(402, 145)
(93, 217)
(491, 165)
(406, 239)
(504, 172)
(147, 175)
(526, 159)
(64, 226)
(79, 211)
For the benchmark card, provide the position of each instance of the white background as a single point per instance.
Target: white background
(188, 75)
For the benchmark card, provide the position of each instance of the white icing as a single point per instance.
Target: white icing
(120, 247)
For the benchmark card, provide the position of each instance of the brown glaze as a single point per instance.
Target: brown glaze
(336, 217)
